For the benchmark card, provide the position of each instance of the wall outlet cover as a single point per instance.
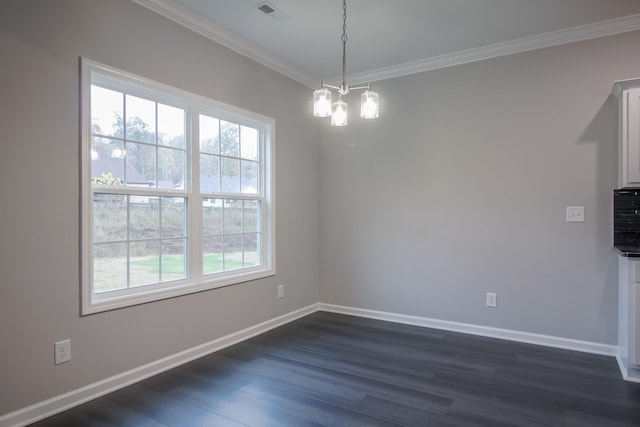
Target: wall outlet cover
(62, 351)
(575, 213)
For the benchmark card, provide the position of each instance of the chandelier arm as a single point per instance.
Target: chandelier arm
(367, 86)
(343, 90)
(331, 86)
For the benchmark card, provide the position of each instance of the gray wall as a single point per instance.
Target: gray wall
(460, 189)
(40, 43)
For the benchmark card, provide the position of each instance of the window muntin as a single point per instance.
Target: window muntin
(231, 234)
(229, 157)
(138, 240)
(177, 192)
(144, 139)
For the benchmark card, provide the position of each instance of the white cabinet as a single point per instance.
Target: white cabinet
(628, 94)
(629, 317)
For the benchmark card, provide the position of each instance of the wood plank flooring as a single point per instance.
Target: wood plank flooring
(328, 369)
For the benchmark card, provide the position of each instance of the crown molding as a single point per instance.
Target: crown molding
(555, 38)
(185, 17)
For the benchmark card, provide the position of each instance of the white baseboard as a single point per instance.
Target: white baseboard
(76, 397)
(486, 331)
(628, 374)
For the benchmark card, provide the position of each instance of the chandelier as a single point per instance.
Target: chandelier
(322, 105)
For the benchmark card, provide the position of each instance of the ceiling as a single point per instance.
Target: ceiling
(391, 38)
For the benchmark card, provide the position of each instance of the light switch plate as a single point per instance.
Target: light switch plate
(492, 299)
(575, 213)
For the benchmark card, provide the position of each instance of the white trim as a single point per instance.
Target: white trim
(554, 38)
(84, 394)
(621, 85)
(183, 16)
(485, 331)
(206, 28)
(193, 105)
(628, 374)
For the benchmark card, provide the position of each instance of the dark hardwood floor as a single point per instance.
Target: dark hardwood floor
(333, 370)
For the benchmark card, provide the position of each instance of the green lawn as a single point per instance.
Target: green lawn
(110, 272)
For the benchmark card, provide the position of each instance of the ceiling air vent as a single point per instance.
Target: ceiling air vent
(266, 8)
(271, 11)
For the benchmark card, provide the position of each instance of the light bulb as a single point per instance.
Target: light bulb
(369, 105)
(339, 115)
(322, 102)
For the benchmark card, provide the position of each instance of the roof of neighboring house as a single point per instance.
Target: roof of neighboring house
(209, 184)
(104, 164)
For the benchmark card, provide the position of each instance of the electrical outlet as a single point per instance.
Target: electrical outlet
(62, 351)
(492, 299)
(280, 291)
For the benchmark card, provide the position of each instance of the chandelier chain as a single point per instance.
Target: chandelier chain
(344, 89)
(344, 21)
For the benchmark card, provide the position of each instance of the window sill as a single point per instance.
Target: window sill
(153, 293)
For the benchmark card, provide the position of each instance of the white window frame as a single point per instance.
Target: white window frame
(194, 105)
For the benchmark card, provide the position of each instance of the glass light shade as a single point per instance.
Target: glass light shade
(322, 102)
(369, 105)
(339, 115)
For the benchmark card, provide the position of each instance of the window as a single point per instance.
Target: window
(177, 191)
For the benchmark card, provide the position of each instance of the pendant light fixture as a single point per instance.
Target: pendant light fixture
(322, 104)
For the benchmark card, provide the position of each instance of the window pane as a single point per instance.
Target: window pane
(170, 126)
(145, 263)
(173, 260)
(144, 218)
(109, 267)
(251, 243)
(141, 165)
(249, 177)
(209, 173)
(109, 217)
(141, 119)
(232, 252)
(230, 175)
(107, 162)
(171, 168)
(248, 143)
(212, 216)
(232, 216)
(174, 217)
(212, 254)
(209, 135)
(106, 112)
(251, 216)
(229, 139)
